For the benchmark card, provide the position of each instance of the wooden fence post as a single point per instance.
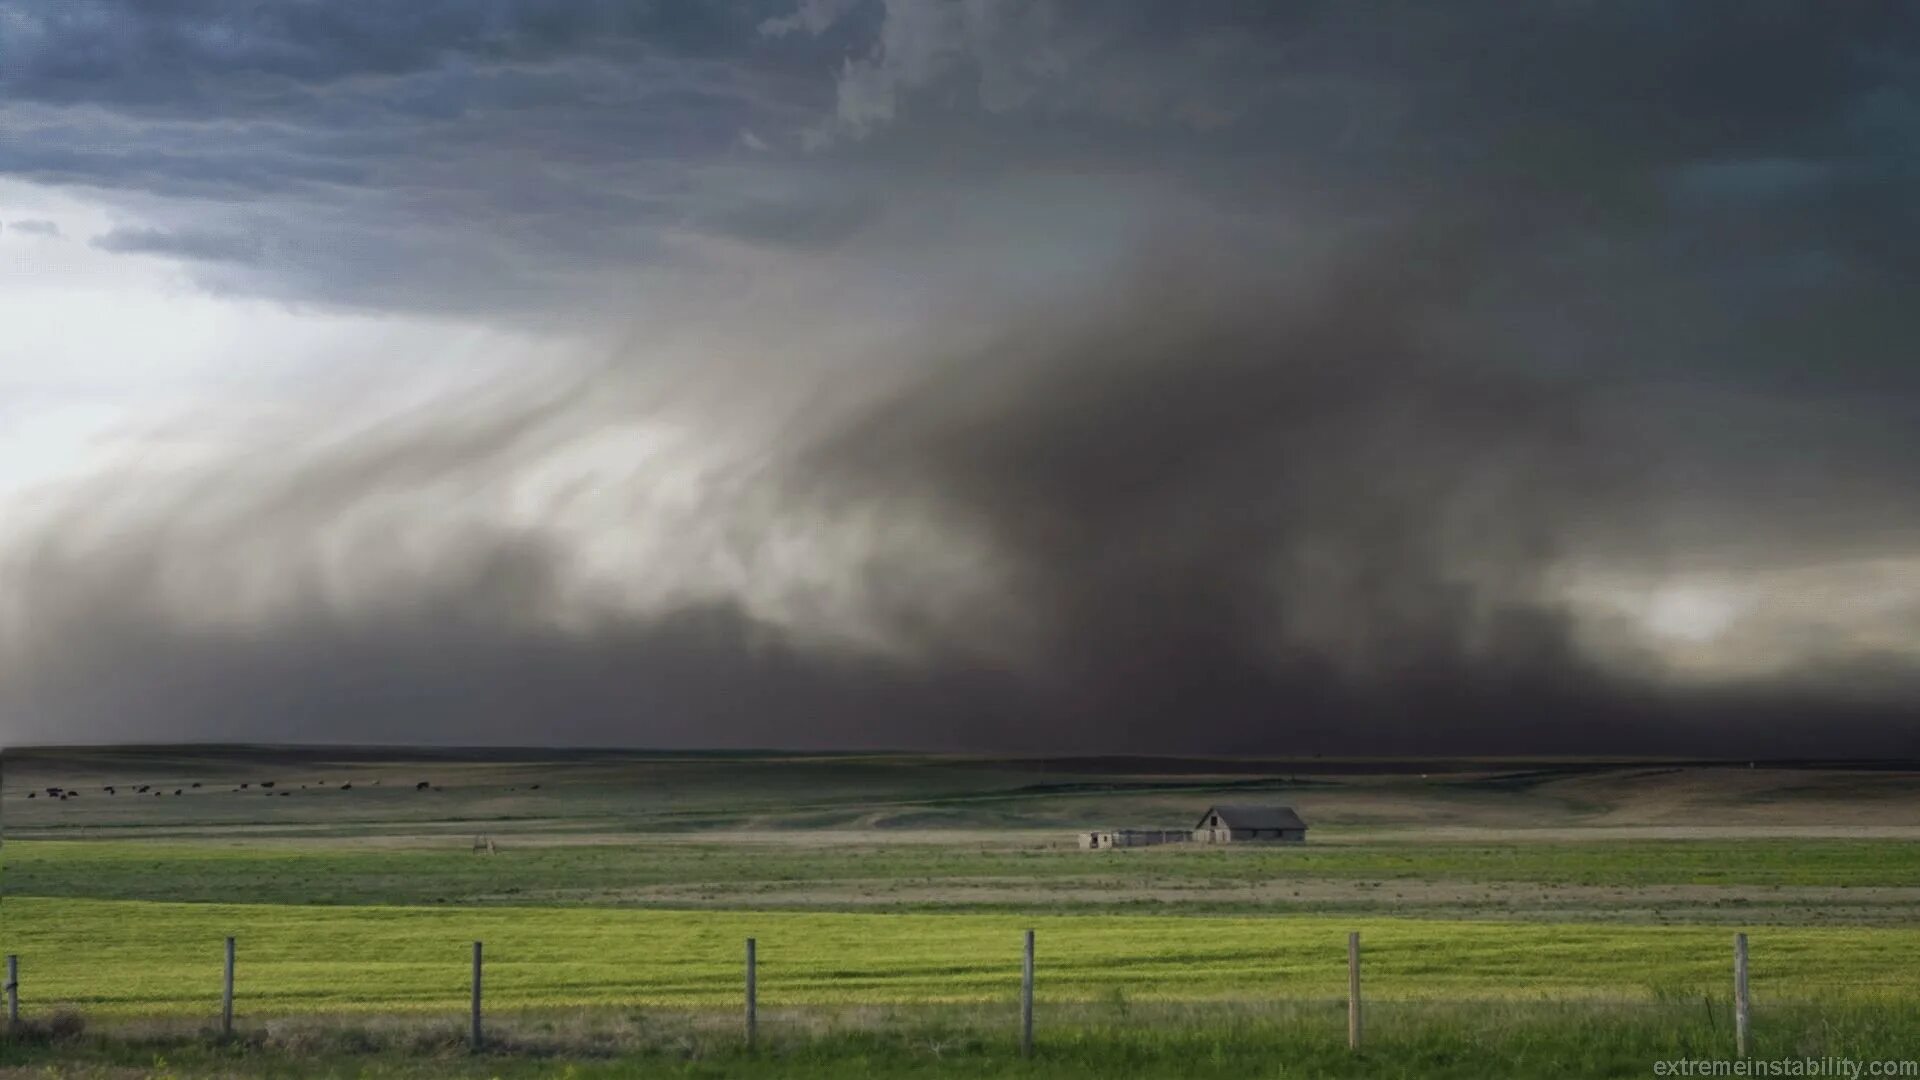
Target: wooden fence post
(13, 989)
(1026, 999)
(1353, 990)
(1740, 994)
(475, 1037)
(226, 993)
(753, 995)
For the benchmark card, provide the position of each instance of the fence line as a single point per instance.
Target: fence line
(1741, 999)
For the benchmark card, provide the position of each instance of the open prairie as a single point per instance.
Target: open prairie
(618, 882)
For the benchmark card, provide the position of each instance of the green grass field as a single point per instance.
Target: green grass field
(448, 872)
(1765, 881)
(119, 957)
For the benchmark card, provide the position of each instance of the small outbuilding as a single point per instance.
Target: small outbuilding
(1103, 839)
(1235, 823)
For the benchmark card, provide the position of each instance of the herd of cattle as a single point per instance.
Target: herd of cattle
(266, 787)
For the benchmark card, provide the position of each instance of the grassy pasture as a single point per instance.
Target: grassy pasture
(655, 794)
(145, 958)
(343, 873)
(1776, 881)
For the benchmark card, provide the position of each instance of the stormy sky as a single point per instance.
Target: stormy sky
(990, 375)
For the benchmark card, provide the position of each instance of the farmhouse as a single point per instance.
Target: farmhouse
(1235, 823)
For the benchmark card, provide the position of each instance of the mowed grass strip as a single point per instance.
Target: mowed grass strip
(132, 957)
(352, 872)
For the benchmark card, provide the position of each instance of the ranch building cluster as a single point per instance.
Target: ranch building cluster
(1223, 823)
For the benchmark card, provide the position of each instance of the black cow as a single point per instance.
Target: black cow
(109, 790)
(144, 788)
(266, 783)
(422, 786)
(348, 786)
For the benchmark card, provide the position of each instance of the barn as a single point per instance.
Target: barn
(1236, 823)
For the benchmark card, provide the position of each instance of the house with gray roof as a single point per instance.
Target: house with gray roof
(1234, 823)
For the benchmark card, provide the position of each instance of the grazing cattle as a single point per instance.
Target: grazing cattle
(109, 790)
(31, 794)
(176, 791)
(244, 787)
(266, 783)
(54, 792)
(348, 786)
(196, 783)
(284, 794)
(422, 786)
(144, 788)
(536, 787)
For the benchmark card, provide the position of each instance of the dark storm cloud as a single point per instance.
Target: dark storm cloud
(389, 151)
(192, 56)
(1442, 303)
(1283, 580)
(1338, 515)
(459, 655)
(1288, 503)
(473, 644)
(574, 133)
(194, 246)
